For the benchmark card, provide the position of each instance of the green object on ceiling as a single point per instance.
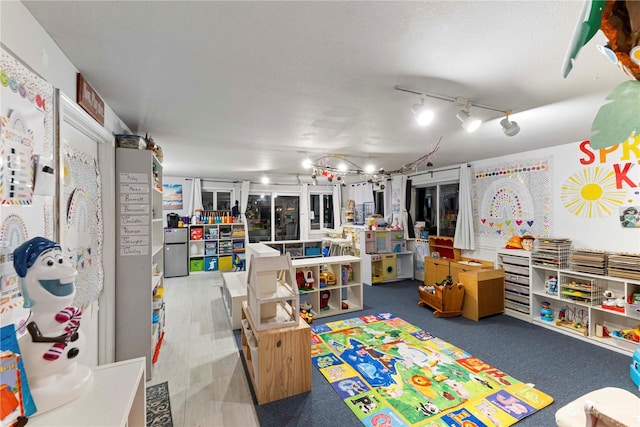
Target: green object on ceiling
(618, 119)
(588, 25)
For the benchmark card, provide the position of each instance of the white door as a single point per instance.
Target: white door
(86, 210)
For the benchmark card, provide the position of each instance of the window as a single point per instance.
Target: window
(273, 217)
(259, 218)
(321, 211)
(379, 197)
(287, 217)
(219, 200)
(437, 206)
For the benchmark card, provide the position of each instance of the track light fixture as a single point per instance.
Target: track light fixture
(422, 114)
(469, 123)
(509, 127)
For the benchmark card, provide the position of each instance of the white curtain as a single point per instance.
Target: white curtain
(304, 212)
(388, 203)
(195, 202)
(337, 207)
(363, 193)
(464, 238)
(244, 202)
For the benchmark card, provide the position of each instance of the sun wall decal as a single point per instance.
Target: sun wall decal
(592, 193)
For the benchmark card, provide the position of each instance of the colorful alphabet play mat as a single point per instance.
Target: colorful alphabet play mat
(390, 372)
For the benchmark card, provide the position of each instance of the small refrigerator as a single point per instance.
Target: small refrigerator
(176, 252)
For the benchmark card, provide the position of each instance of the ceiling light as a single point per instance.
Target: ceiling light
(508, 127)
(422, 114)
(265, 179)
(342, 167)
(469, 123)
(369, 168)
(307, 163)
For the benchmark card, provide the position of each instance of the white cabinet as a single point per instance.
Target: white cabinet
(139, 257)
(116, 398)
(516, 264)
(331, 285)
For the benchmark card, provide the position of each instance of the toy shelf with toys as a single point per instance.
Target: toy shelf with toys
(216, 247)
(602, 309)
(330, 285)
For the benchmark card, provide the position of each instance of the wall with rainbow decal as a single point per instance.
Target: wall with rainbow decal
(572, 191)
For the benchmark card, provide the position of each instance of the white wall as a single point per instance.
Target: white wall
(23, 36)
(588, 231)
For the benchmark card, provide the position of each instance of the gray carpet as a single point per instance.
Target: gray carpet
(562, 366)
(159, 406)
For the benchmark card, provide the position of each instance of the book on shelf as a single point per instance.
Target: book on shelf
(17, 402)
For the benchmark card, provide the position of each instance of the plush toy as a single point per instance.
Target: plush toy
(54, 342)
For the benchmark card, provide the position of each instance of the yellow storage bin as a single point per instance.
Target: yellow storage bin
(225, 263)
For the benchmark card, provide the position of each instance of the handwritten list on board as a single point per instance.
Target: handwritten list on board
(135, 228)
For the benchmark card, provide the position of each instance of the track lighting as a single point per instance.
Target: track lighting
(469, 123)
(508, 127)
(422, 114)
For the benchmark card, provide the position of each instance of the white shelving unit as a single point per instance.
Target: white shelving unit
(214, 247)
(578, 295)
(298, 248)
(117, 398)
(347, 272)
(516, 264)
(139, 258)
(587, 304)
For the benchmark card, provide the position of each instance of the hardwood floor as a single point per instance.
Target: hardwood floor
(199, 357)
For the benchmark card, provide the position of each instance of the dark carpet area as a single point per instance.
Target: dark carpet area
(159, 406)
(559, 365)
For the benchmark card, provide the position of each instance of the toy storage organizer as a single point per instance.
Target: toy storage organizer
(576, 296)
(332, 285)
(216, 247)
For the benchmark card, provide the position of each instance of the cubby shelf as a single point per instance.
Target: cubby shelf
(216, 247)
(343, 278)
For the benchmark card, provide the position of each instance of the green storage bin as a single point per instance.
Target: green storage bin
(196, 265)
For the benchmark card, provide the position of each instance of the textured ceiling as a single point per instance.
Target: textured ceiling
(232, 90)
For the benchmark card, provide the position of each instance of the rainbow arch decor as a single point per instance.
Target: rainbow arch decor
(392, 373)
(513, 198)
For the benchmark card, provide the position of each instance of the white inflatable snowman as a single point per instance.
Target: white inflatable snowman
(51, 347)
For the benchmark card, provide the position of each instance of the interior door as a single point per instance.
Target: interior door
(86, 208)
